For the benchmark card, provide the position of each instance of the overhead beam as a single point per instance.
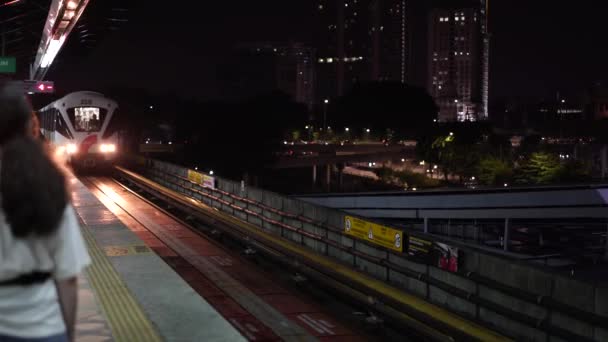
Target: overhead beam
(63, 16)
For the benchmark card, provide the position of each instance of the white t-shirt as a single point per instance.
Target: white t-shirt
(33, 311)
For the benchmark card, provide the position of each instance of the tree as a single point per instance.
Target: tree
(445, 153)
(539, 168)
(494, 171)
(573, 171)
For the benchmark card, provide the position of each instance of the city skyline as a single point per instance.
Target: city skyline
(532, 52)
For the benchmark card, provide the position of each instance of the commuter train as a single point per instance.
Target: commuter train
(79, 126)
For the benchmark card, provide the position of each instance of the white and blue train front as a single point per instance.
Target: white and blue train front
(79, 125)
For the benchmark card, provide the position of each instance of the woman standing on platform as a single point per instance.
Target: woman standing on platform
(41, 249)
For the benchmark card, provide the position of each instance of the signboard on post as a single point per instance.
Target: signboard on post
(38, 87)
(374, 233)
(8, 65)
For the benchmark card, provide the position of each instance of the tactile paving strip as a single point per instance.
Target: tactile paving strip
(126, 319)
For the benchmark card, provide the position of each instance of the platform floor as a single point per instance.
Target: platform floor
(131, 294)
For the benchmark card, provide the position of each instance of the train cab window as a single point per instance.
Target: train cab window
(62, 127)
(87, 119)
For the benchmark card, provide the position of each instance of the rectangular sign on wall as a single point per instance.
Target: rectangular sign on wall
(433, 253)
(8, 65)
(374, 233)
(199, 178)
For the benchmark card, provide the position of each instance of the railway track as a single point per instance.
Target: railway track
(263, 293)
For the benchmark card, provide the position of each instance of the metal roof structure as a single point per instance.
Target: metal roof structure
(33, 31)
(585, 201)
(21, 25)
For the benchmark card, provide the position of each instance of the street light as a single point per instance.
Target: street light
(326, 102)
(211, 172)
(367, 130)
(451, 134)
(347, 129)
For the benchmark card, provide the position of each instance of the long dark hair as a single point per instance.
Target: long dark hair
(32, 187)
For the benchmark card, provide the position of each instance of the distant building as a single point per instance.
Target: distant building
(458, 53)
(343, 46)
(259, 68)
(296, 73)
(598, 102)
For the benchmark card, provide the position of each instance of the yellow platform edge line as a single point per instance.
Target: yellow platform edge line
(456, 322)
(126, 319)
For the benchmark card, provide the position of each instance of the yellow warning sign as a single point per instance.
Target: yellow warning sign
(195, 177)
(199, 178)
(374, 233)
(125, 250)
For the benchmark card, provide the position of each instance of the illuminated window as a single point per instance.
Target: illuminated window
(441, 19)
(87, 119)
(456, 18)
(320, 7)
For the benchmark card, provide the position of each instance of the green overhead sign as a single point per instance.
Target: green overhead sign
(8, 65)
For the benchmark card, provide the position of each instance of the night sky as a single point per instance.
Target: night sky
(539, 47)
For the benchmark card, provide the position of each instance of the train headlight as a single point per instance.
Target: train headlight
(107, 148)
(71, 148)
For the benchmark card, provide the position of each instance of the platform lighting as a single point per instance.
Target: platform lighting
(72, 5)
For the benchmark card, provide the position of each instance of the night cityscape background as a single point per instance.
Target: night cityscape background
(409, 168)
(502, 75)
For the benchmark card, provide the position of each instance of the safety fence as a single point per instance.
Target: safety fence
(518, 299)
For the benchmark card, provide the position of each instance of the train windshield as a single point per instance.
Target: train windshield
(87, 119)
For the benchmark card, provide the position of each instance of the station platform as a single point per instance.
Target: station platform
(129, 293)
(153, 279)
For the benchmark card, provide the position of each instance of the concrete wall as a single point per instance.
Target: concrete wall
(409, 275)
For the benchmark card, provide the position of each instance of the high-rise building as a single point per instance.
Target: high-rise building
(458, 53)
(296, 73)
(343, 46)
(258, 68)
(369, 40)
(391, 43)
